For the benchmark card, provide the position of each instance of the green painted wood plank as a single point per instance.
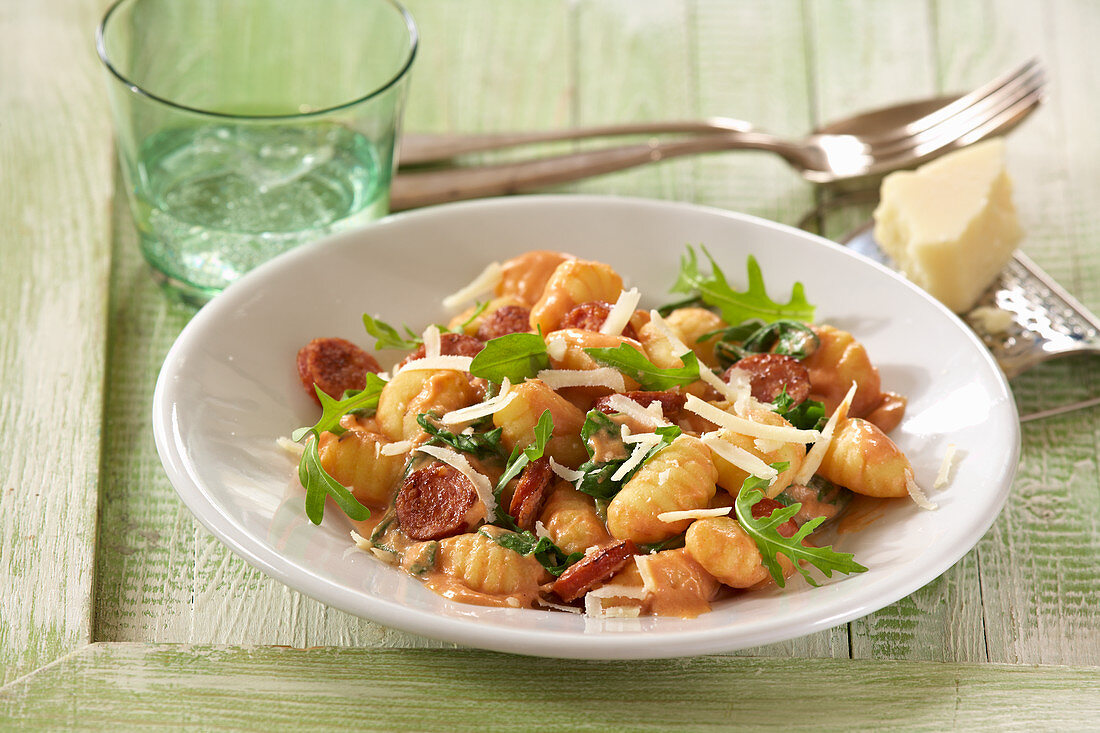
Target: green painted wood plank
(160, 576)
(55, 162)
(214, 688)
(866, 55)
(1039, 570)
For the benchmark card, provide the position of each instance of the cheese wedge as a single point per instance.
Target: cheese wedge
(950, 226)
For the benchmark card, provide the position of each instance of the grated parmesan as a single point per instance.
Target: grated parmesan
(753, 429)
(458, 461)
(482, 409)
(643, 444)
(288, 445)
(648, 581)
(694, 514)
(396, 449)
(917, 494)
(821, 446)
(739, 457)
(943, 476)
(483, 284)
(456, 363)
(563, 472)
(432, 342)
(621, 312)
(601, 377)
(626, 406)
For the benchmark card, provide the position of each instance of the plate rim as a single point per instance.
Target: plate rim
(549, 643)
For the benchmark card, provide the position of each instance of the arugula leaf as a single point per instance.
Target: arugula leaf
(672, 543)
(597, 480)
(597, 422)
(543, 549)
(806, 415)
(515, 356)
(786, 337)
(387, 336)
(688, 302)
(735, 306)
(315, 479)
(519, 459)
(635, 365)
(478, 444)
(477, 312)
(766, 535)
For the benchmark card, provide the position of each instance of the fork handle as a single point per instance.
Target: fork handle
(411, 190)
(417, 149)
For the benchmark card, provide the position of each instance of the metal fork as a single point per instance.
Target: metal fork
(856, 151)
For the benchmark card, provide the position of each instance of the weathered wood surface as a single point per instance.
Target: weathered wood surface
(84, 331)
(211, 688)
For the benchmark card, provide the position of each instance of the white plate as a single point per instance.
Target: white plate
(229, 388)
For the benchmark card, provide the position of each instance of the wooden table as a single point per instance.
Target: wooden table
(116, 607)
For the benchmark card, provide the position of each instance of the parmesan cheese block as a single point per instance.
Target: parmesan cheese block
(950, 226)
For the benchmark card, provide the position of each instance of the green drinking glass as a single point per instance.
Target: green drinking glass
(247, 127)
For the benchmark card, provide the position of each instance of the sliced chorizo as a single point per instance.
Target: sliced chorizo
(334, 365)
(595, 567)
(436, 502)
(769, 374)
(531, 493)
(590, 316)
(764, 508)
(450, 344)
(503, 321)
(671, 402)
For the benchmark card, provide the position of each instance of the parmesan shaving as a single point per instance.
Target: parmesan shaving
(668, 333)
(651, 438)
(740, 383)
(458, 461)
(648, 581)
(766, 446)
(457, 363)
(361, 542)
(782, 433)
(655, 409)
(294, 449)
(483, 284)
(620, 611)
(593, 600)
(944, 474)
(557, 606)
(662, 477)
(556, 348)
(642, 447)
(723, 388)
(817, 453)
(917, 494)
(670, 517)
(601, 377)
(621, 312)
(483, 409)
(618, 590)
(432, 342)
(563, 472)
(626, 406)
(540, 530)
(739, 457)
(396, 449)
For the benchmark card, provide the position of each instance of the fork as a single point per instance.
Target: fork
(855, 152)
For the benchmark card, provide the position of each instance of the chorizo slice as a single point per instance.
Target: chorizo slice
(764, 508)
(595, 567)
(334, 365)
(435, 502)
(769, 374)
(450, 344)
(671, 402)
(503, 321)
(589, 316)
(531, 493)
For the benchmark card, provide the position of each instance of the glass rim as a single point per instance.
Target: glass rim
(414, 44)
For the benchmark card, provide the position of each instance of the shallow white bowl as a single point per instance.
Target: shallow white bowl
(229, 388)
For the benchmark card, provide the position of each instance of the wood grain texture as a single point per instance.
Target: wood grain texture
(55, 162)
(212, 688)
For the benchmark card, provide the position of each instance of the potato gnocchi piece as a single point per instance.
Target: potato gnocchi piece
(691, 323)
(356, 461)
(470, 323)
(726, 551)
(838, 361)
(411, 393)
(574, 282)
(863, 459)
(524, 277)
(679, 477)
(484, 566)
(521, 414)
(571, 520)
